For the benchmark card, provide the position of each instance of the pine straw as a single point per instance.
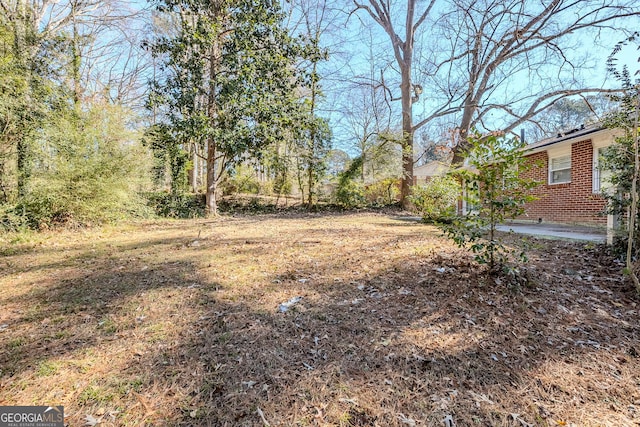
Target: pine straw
(177, 324)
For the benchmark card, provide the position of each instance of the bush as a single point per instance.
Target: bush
(436, 200)
(90, 170)
(500, 190)
(177, 205)
(383, 193)
(241, 180)
(350, 194)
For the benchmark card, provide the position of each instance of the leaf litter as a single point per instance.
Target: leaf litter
(396, 327)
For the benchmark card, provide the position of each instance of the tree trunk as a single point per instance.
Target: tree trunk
(22, 148)
(407, 127)
(463, 133)
(212, 181)
(212, 146)
(193, 172)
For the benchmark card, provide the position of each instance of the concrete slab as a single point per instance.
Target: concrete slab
(547, 230)
(558, 231)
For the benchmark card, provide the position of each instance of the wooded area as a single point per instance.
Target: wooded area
(112, 109)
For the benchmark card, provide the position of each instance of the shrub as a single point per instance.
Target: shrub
(383, 193)
(90, 170)
(436, 200)
(242, 179)
(350, 194)
(499, 191)
(177, 205)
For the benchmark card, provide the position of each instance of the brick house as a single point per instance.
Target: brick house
(571, 182)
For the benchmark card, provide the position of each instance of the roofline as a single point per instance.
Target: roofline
(566, 137)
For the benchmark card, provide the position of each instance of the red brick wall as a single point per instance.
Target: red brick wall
(573, 202)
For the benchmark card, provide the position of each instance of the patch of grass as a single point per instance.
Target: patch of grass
(16, 342)
(108, 326)
(94, 394)
(156, 333)
(126, 386)
(224, 338)
(47, 369)
(60, 335)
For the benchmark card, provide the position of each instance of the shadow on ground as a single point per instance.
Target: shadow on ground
(379, 337)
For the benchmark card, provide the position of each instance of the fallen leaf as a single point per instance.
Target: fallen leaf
(91, 421)
(406, 420)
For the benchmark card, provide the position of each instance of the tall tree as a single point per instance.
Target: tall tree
(509, 61)
(488, 63)
(313, 138)
(49, 40)
(230, 79)
(402, 43)
(567, 114)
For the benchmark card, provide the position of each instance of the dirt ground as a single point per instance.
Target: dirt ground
(181, 323)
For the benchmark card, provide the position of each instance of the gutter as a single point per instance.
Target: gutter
(570, 135)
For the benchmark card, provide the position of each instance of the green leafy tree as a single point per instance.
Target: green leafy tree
(350, 191)
(229, 79)
(497, 187)
(623, 158)
(313, 144)
(169, 156)
(24, 101)
(90, 170)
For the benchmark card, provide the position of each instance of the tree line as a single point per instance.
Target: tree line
(106, 105)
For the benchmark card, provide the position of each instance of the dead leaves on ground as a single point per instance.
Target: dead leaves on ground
(384, 324)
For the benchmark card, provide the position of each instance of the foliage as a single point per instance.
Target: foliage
(168, 156)
(383, 158)
(277, 163)
(313, 141)
(27, 95)
(496, 185)
(623, 160)
(90, 170)
(436, 200)
(312, 133)
(384, 192)
(176, 205)
(228, 80)
(242, 179)
(350, 193)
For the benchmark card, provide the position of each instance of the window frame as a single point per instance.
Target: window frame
(555, 156)
(597, 176)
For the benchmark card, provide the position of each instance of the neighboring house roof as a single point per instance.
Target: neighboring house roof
(433, 168)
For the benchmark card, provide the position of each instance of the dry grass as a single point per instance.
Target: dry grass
(177, 324)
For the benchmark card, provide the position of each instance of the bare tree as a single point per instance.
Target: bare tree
(517, 58)
(402, 40)
(489, 63)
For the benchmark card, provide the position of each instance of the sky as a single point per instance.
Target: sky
(351, 58)
(352, 39)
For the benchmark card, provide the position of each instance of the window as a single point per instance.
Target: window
(601, 177)
(560, 169)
